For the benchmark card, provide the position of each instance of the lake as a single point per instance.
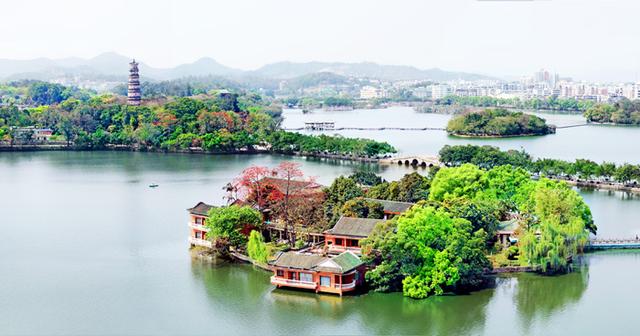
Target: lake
(86, 247)
(596, 142)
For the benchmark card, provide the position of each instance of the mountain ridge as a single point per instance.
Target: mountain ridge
(111, 64)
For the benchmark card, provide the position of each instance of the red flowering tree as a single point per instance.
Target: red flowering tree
(251, 184)
(288, 171)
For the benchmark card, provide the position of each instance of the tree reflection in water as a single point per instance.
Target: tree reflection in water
(242, 296)
(538, 297)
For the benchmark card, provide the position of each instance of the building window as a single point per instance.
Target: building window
(280, 273)
(352, 242)
(338, 241)
(308, 277)
(198, 235)
(292, 276)
(325, 281)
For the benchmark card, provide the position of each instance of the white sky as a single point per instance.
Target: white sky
(586, 39)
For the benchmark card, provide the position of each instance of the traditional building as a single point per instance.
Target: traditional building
(392, 208)
(347, 234)
(197, 221)
(340, 274)
(296, 187)
(31, 133)
(134, 96)
(506, 232)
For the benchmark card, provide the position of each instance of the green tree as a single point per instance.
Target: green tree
(429, 252)
(466, 180)
(362, 208)
(232, 224)
(341, 190)
(256, 248)
(558, 227)
(365, 177)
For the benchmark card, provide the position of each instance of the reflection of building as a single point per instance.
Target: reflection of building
(197, 230)
(133, 93)
(340, 274)
(347, 234)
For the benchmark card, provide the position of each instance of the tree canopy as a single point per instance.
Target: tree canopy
(498, 122)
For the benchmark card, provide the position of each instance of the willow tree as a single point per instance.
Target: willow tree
(256, 248)
(558, 227)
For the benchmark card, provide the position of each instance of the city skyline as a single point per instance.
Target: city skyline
(589, 40)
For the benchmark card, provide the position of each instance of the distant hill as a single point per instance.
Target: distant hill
(115, 67)
(286, 70)
(107, 64)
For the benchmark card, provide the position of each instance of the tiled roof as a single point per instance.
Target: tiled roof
(347, 261)
(295, 186)
(343, 263)
(354, 227)
(297, 260)
(392, 206)
(200, 209)
(508, 225)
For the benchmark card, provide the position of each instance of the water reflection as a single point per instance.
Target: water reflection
(538, 297)
(245, 292)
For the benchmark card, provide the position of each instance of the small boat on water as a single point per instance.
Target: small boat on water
(153, 185)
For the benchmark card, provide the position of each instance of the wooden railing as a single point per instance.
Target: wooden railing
(198, 227)
(352, 284)
(290, 282)
(338, 248)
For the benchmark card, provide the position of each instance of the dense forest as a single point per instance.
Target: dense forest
(498, 122)
(219, 121)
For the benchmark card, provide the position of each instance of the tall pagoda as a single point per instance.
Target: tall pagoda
(133, 92)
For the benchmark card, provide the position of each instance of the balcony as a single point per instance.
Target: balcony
(199, 242)
(350, 285)
(340, 249)
(198, 227)
(293, 283)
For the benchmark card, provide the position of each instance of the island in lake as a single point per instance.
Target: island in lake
(422, 235)
(498, 123)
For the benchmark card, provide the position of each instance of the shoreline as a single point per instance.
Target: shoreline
(496, 136)
(379, 161)
(192, 150)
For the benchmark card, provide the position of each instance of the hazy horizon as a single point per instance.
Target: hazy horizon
(586, 40)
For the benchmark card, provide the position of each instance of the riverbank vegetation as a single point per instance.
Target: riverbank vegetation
(219, 121)
(489, 157)
(497, 123)
(549, 103)
(442, 243)
(623, 112)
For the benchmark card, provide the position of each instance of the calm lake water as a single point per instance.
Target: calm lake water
(596, 142)
(87, 248)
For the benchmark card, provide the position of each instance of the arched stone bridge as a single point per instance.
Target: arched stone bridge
(415, 161)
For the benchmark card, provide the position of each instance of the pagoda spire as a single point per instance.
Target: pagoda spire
(133, 89)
